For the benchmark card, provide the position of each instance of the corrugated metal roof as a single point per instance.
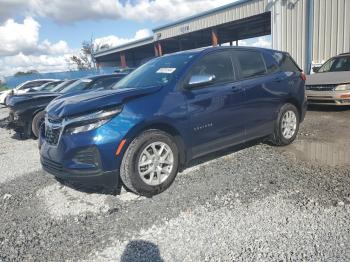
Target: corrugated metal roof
(212, 11)
(133, 44)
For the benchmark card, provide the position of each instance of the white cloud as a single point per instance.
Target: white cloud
(262, 42)
(256, 42)
(76, 10)
(17, 37)
(157, 10)
(8, 8)
(20, 49)
(68, 11)
(43, 63)
(112, 40)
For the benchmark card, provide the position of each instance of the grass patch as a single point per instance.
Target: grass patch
(3, 88)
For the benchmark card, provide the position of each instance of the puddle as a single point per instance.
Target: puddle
(331, 154)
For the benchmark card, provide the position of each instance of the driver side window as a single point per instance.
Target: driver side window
(217, 64)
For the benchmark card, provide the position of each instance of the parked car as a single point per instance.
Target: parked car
(44, 87)
(23, 86)
(27, 110)
(330, 85)
(171, 110)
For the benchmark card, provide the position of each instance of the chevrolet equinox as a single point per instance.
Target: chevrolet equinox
(171, 110)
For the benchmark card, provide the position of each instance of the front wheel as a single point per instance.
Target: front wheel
(150, 163)
(38, 119)
(286, 125)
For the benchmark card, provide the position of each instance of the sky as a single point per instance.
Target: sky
(42, 34)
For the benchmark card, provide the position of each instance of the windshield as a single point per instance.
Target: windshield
(336, 64)
(62, 85)
(49, 86)
(76, 86)
(158, 71)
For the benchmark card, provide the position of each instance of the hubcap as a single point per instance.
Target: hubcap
(156, 163)
(289, 124)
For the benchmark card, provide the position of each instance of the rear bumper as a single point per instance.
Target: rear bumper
(338, 98)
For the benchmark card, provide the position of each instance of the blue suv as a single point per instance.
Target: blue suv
(171, 110)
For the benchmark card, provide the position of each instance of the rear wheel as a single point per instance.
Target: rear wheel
(286, 125)
(150, 163)
(38, 119)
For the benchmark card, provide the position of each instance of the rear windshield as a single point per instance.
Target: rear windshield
(336, 64)
(158, 71)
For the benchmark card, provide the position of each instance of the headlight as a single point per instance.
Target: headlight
(343, 87)
(87, 127)
(90, 121)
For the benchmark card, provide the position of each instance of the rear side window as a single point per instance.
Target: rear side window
(218, 64)
(251, 63)
(285, 62)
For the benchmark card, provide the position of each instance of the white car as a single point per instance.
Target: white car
(24, 86)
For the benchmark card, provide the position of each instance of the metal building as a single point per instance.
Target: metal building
(310, 30)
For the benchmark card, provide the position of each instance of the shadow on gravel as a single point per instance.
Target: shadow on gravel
(225, 152)
(140, 250)
(325, 108)
(95, 186)
(110, 187)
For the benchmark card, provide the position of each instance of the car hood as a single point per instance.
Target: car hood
(94, 101)
(328, 78)
(32, 97)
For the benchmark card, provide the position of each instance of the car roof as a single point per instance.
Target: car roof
(343, 54)
(210, 49)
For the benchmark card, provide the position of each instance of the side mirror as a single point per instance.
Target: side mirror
(199, 80)
(316, 68)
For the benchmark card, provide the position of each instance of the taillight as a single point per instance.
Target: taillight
(303, 76)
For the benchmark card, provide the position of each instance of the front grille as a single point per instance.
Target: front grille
(54, 120)
(52, 134)
(321, 87)
(51, 166)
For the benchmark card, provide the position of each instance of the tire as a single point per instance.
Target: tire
(281, 137)
(130, 170)
(36, 123)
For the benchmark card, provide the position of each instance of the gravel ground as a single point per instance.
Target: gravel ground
(252, 203)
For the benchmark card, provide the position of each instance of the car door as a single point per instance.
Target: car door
(262, 92)
(214, 108)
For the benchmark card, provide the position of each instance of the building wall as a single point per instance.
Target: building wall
(331, 33)
(329, 29)
(243, 10)
(289, 27)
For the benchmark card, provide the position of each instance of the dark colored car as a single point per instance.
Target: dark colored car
(171, 110)
(27, 110)
(330, 85)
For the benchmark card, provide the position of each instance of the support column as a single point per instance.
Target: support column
(156, 50)
(160, 51)
(236, 42)
(214, 37)
(122, 60)
(230, 43)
